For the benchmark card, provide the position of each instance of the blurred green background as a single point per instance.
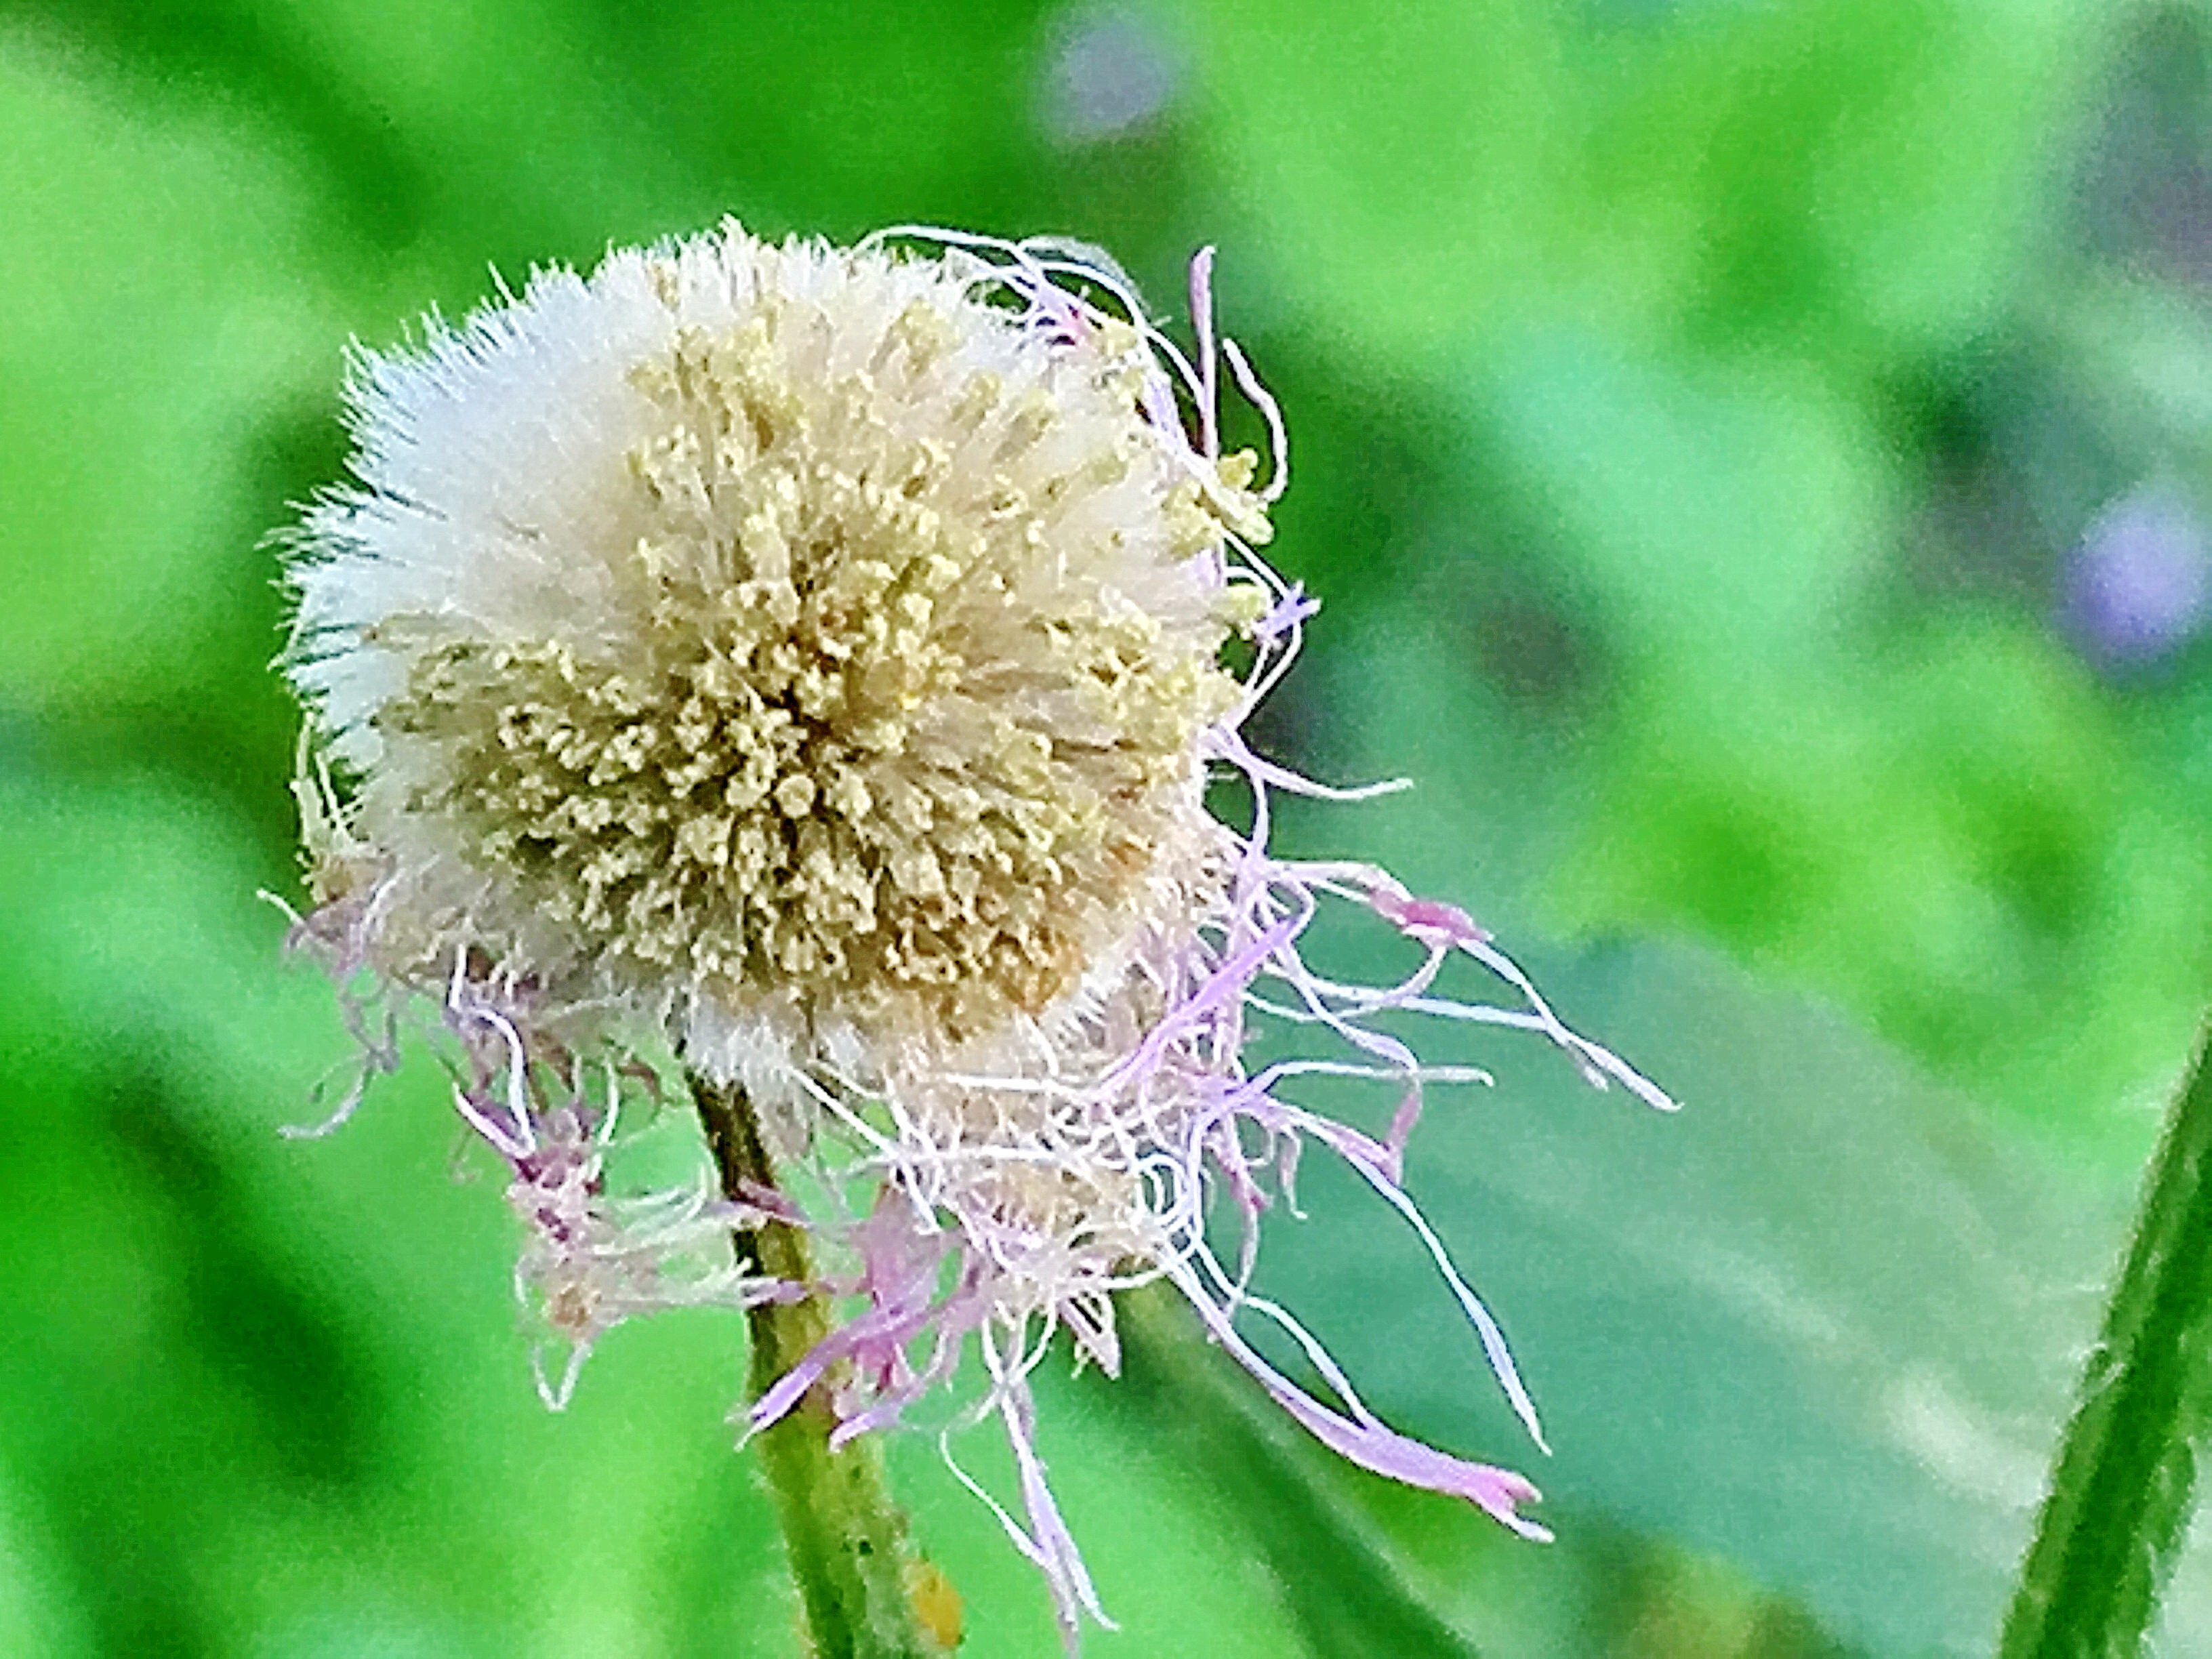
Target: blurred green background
(1757, 461)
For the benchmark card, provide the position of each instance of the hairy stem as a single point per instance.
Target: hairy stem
(2121, 1492)
(846, 1538)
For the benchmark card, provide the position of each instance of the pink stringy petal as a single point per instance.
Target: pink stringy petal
(1497, 1492)
(1427, 919)
(1057, 1554)
(1402, 1124)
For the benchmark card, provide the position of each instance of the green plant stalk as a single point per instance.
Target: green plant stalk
(2121, 1490)
(846, 1539)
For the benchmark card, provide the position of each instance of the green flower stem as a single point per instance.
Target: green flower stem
(846, 1538)
(2120, 1493)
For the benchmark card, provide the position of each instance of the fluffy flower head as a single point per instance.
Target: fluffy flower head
(807, 664)
(784, 639)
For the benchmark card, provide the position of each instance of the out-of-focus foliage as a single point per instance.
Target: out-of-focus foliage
(1757, 461)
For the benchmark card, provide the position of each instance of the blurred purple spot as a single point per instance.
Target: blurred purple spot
(1110, 73)
(2140, 584)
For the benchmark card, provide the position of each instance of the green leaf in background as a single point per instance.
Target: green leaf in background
(1816, 1324)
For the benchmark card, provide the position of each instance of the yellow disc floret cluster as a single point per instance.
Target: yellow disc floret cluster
(894, 715)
